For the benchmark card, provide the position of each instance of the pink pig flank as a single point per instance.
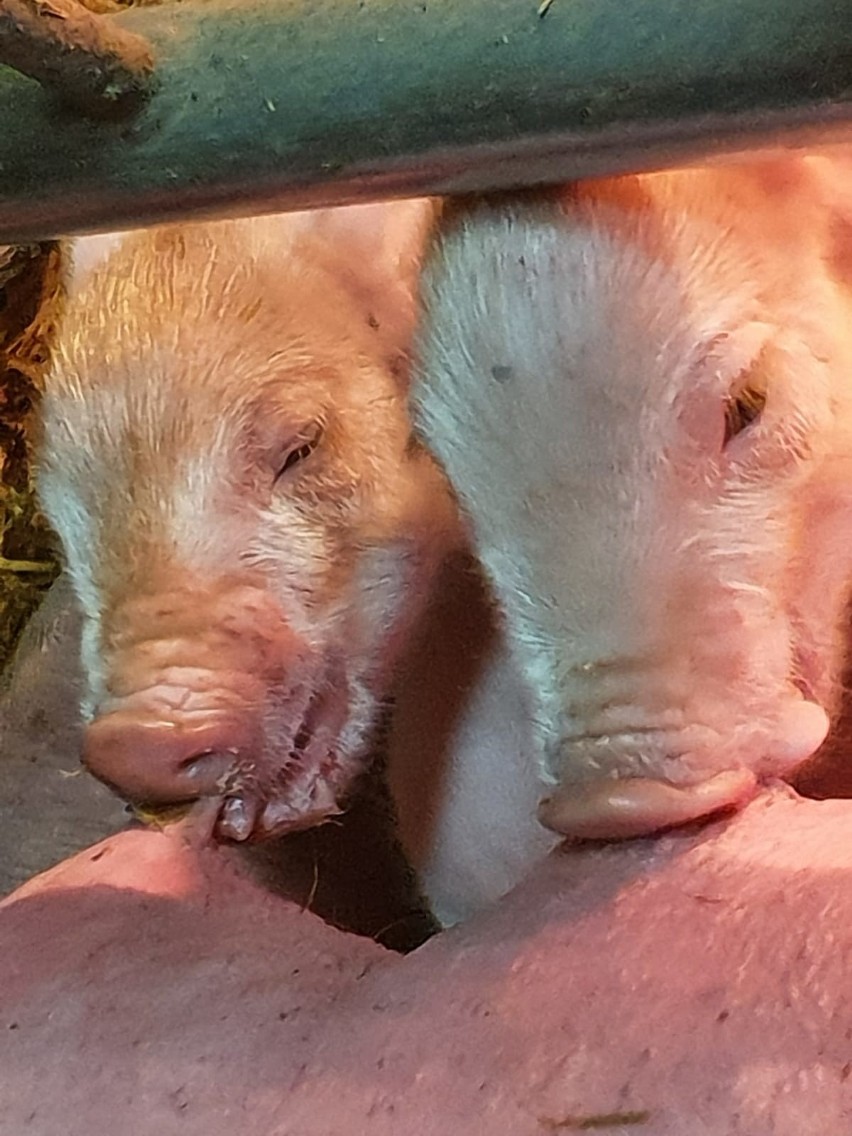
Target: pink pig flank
(641, 390)
(227, 459)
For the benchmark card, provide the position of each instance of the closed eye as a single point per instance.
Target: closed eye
(299, 452)
(745, 402)
(741, 410)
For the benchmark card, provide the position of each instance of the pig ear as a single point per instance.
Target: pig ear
(375, 252)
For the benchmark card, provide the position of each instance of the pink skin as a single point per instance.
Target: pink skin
(250, 534)
(640, 391)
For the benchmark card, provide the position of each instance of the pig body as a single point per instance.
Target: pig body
(227, 458)
(641, 390)
(461, 763)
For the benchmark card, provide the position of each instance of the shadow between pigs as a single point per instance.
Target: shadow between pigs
(355, 871)
(351, 873)
(445, 662)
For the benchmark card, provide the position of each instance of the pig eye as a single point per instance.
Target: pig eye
(299, 452)
(743, 407)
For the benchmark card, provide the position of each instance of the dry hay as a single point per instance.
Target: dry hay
(29, 302)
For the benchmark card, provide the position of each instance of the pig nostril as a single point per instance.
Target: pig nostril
(199, 765)
(148, 760)
(300, 742)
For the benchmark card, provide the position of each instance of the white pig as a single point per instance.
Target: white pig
(228, 461)
(641, 390)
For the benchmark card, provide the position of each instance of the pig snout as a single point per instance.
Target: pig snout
(623, 806)
(155, 761)
(620, 809)
(188, 676)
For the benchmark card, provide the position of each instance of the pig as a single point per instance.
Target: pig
(248, 524)
(640, 389)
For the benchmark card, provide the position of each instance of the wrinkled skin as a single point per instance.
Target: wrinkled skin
(226, 457)
(641, 390)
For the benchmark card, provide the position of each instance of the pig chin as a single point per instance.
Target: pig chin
(301, 777)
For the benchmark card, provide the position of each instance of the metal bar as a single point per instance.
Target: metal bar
(276, 104)
(81, 57)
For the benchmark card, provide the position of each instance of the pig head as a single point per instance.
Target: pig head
(641, 389)
(226, 456)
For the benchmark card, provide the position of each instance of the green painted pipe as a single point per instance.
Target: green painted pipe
(278, 104)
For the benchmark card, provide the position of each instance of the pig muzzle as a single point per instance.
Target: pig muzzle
(189, 676)
(625, 805)
(156, 761)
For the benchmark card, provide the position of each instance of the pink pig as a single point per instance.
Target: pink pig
(641, 390)
(249, 529)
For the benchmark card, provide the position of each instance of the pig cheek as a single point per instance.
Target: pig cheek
(306, 549)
